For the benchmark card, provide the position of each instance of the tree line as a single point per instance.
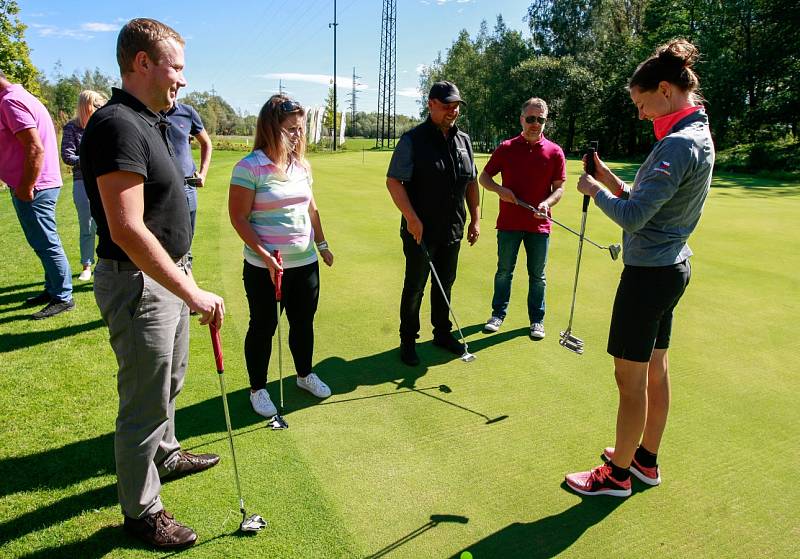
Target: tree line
(579, 54)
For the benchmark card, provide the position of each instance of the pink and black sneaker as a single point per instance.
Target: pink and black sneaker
(650, 476)
(598, 481)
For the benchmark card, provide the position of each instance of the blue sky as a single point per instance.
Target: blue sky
(243, 48)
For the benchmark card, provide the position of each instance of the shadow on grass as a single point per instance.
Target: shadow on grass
(12, 342)
(748, 185)
(60, 468)
(546, 537)
(434, 521)
(99, 544)
(16, 294)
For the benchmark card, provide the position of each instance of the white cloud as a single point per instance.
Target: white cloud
(60, 32)
(421, 68)
(322, 79)
(99, 27)
(412, 92)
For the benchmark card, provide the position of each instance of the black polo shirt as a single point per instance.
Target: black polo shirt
(435, 170)
(125, 135)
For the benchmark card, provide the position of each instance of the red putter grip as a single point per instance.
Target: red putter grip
(278, 274)
(216, 343)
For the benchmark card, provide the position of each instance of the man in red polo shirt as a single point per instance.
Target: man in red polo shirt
(533, 170)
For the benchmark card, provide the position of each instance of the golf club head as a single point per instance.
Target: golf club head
(497, 419)
(444, 388)
(571, 342)
(467, 357)
(614, 250)
(253, 523)
(277, 423)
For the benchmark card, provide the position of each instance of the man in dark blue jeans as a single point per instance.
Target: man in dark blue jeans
(431, 173)
(533, 171)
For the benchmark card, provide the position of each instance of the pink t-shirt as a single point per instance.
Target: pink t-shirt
(528, 170)
(20, 110)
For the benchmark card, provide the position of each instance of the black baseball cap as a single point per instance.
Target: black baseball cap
(446, 92)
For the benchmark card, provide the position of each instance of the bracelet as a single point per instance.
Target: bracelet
(322, 245)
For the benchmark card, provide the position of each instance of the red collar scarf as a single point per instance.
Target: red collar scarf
(663, 124)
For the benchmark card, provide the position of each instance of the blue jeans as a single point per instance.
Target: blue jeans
(88, 228)
(536, 245)
(38, 221)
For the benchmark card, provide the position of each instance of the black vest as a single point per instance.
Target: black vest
(442, 169)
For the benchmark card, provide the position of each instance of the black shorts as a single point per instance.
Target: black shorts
(642, 317)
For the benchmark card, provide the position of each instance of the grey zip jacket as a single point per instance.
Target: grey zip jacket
(659, 212)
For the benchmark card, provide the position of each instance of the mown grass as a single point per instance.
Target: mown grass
(401, 462)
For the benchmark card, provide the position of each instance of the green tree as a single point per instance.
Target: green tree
(15, 59)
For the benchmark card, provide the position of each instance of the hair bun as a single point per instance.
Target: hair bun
(679, 51)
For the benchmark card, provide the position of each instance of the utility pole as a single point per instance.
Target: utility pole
(280, 87)
(353, 99)
(387, 76)
(334, 25)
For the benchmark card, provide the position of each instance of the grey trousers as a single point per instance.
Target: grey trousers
(149, 332)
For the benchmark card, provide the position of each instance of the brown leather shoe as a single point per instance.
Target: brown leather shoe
(160, 530)
(189, 464)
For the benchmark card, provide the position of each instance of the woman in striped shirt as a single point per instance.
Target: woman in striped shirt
(272, 207)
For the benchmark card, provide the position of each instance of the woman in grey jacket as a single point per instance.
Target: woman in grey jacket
(657, 214)
(88, 102)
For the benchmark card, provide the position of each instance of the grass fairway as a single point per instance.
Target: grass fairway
(400, 462)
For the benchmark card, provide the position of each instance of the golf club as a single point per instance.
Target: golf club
(613, 250)
(254, 522)
(278, 422)
(567, 339)
(466, 357)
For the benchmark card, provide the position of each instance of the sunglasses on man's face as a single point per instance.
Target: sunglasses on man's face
(289, 106)
(531, 119)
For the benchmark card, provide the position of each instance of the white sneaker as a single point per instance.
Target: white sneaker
(537, 331)
(86, 274)
(313, 384)
(262, 405)
(493, 324)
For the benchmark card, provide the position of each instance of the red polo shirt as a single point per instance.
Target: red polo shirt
(528, 170)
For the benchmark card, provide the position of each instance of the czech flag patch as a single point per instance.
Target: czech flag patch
(663, 167)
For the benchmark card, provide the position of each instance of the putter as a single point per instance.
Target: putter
(466, 357)
(254, 522)
(567, 339)
(613, 250)
(278, 422)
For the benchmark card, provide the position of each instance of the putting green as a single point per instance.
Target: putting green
(447, 457)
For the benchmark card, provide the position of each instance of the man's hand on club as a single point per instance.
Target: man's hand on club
(414, 227)
(209, 306)
(506, 195)
(543, 208)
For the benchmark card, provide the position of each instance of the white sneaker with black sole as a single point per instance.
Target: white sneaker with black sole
(262, 404)
(313, 384)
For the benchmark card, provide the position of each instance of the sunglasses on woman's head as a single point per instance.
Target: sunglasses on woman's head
(290, 106)
(531, 119)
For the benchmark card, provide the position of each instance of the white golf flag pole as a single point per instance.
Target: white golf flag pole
(320, 117)
(341, 131)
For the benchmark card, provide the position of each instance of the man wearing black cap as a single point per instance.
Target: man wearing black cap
(431, 173)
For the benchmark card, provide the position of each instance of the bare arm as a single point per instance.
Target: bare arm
(473, 196)
(488, 182)
(240, 204)
(205, 154)
(32, 166)
(556, 192)
(319, 236)
(400, 199)
(122, 193)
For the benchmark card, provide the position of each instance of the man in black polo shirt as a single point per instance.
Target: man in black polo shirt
(431, 173)
(142, 284)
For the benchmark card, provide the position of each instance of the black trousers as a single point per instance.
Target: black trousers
(299, 297)
(445, 260)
